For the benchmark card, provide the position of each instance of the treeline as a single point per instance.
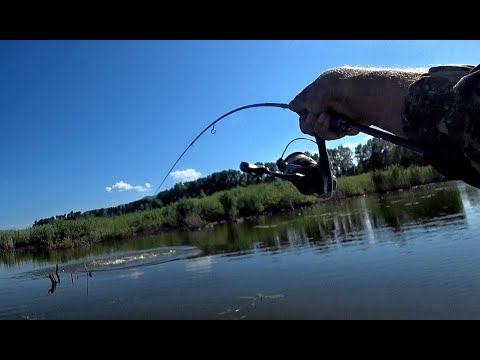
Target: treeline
(219, 181)
(376, 154)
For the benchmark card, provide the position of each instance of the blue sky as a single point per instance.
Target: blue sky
(82, 120)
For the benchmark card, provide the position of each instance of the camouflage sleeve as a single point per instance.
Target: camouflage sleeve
(442, 112)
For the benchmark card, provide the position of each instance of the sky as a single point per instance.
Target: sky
(92, 124)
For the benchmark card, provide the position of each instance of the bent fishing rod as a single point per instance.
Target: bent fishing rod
(310, 177)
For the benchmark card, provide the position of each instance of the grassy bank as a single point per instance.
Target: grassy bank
(387, 180)
(195, 213)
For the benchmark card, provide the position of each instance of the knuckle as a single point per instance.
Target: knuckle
(335, 74)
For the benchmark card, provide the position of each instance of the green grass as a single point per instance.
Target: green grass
(355, 185)
(387, 180)
(195, 213)
(403, 178)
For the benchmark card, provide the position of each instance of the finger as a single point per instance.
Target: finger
(297, 104)
(302, 101)
(322, 128)
(352, 133)
(307, 124)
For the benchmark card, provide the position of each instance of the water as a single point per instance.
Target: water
(405, 255)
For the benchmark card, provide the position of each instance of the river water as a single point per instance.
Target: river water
(404, 255)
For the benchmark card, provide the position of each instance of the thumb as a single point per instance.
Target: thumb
(297, 105)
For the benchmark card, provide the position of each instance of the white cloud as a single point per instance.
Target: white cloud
(185, 175)
(368, 137)
(123, 186)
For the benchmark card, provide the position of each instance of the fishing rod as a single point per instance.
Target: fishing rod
(310, 177)
(341, 123)
(212, 125)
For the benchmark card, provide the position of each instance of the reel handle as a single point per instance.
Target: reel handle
(253, 169)
(260, 170)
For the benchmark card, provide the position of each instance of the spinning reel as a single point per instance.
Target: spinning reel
(310, 177)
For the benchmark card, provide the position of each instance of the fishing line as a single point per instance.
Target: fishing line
(299, 138)
(213, 130)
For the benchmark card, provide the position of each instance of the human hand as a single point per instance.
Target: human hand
(368, 96)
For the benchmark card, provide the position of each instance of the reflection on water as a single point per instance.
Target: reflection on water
(203, 263)
(342, 222)
(352, 258)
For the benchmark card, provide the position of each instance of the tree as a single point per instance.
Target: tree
(341, 160)
(345, 160)
(271, 166)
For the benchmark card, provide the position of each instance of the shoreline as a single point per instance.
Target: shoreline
(235, 205)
